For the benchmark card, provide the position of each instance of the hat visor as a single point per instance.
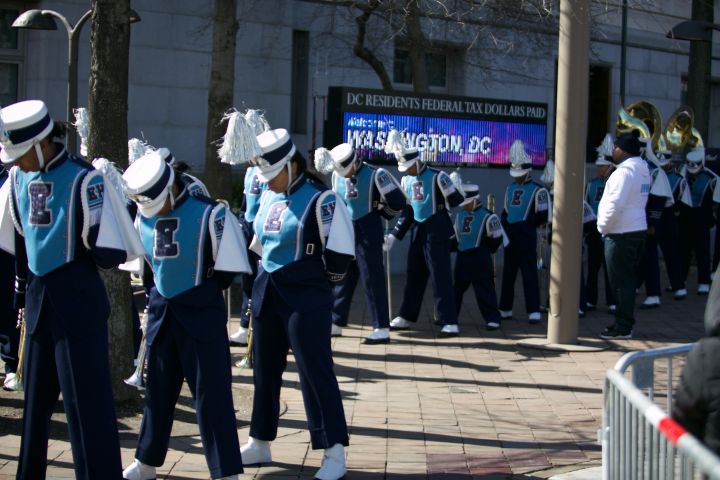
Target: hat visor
(267, 174)
(342, 171)
(468, 200)
(150, 209)
(519, 172)
(10, 154)
(405, 166)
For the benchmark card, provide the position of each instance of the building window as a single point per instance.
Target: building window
(300, 81)
(11, 57)
(435, 64)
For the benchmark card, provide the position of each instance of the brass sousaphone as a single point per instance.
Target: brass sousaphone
(680, 135)
(644, 117)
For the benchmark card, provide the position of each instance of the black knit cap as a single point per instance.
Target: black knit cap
(629, 143)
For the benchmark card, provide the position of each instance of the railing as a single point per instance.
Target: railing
(639, 440)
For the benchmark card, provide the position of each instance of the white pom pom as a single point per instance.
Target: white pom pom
(111, 175)
(395, 144)
(324, 162)
(239, 144)
(457, 181)
(136, 149)
(518, 156)
(82, 126)
(257, 121)
(548, 175)
(3, 132)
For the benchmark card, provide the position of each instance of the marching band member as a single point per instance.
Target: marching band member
(527, 205)
(659, 198)
(9, 333)
(478, 234)
(696, 221)
(370, 194)
(668, 238)
(595, 253)
(195, 247)
(56, 201)
(430, 193)
(304, 237)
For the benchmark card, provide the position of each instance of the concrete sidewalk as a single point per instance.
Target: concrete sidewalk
(476, 406)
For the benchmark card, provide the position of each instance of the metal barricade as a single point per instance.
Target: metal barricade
(639, 440)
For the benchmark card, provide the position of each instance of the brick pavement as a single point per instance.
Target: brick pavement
(476, 406)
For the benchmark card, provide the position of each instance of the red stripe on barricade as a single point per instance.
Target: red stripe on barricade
(671, 429)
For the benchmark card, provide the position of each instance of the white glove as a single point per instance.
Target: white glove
(388, 243)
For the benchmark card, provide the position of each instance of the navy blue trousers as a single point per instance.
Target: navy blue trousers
(650, 266)
(474, 267)
(173, 356)
(596, 262)
(428, 258)
(368, 267)
(275, 330)
(669, 245)
(521, 254)
(695, 237)
(75, 363)
(9, 333)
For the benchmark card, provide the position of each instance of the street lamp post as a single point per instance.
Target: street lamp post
(43, 20)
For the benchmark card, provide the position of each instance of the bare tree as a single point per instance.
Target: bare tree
(107, 137)
(218, 176)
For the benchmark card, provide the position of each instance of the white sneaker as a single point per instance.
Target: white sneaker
(335, 330)
(240, 337)
(449, 331)
(379, 335)
(535, 317)
(255, 452)
(492, 325)
(680, 294)
(612, 308)
(139, 471)
(703, 289)
(505, 314)
(399, 323)
(651, 302)
(333, 463)
(12, 383)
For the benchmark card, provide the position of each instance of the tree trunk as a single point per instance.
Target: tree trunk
(364, 53)
(699, 68)
(218, 176)
(107, 137)
(417, 47)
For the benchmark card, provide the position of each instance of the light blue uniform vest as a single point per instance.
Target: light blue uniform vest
(422, 191)
(253, 191)
(699, 187)
(280, 224)
(175, 244)
(595, 189)
(470, 227)
(357, 191)
(519, 201)
(47, 203)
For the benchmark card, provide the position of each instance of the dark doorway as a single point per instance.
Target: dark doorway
(598, 108)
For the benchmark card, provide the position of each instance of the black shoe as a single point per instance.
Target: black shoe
(614, 333)
(438, 323)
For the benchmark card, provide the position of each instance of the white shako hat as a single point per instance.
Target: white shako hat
(344, 157)
(520, 161)
(277, 149)
(695, 159)
(22, 125)
(605, 151)
(469, 191)
(406, 157)
(148, 182)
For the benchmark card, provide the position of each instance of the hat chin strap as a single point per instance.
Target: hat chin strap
(40, 156)
(290, 179)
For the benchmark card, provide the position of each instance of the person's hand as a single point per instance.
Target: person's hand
(388, 242)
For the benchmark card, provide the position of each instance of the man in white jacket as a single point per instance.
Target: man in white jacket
(622, 222)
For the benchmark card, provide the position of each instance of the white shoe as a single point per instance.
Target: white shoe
(534, 317)
(492, 325)
(139, 471)
(379, 335)
(333, 464)
(612, 308)
(449, 331)
(399, 323)
(651, 302)
(505, 314)
(680, 294)
(255, 452)
(12, 383)
(230, 477)
(335, 331)
(703, 289)
(240, 337)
